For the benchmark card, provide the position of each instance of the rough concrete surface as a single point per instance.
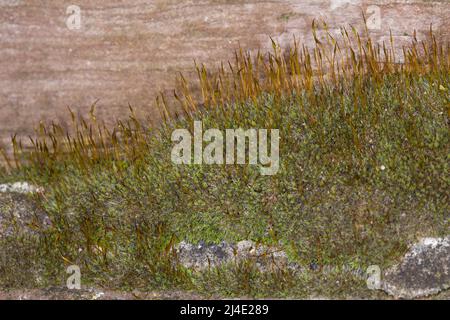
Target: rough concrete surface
(202, 256)
(423, 271)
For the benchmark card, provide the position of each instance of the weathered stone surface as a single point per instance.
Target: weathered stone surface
(424, 271)
(19, 215)
(203, 256)
(19, 187)
(127, 51)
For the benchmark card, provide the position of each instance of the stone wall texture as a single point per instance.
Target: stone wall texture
(127, 51)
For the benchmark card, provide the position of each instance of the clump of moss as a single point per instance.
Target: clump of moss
(363, 172)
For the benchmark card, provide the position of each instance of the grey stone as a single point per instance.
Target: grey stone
(19, 213)
(19, 187)
(203, 256)
(423, 271)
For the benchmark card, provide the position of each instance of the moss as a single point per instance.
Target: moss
(364, 172)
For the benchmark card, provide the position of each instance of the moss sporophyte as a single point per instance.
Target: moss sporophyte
(363, 142)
